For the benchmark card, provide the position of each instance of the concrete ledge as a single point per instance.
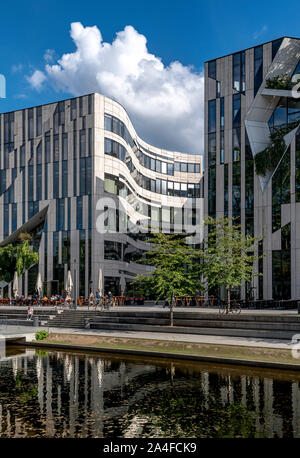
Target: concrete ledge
(161, 354)
(260, 333)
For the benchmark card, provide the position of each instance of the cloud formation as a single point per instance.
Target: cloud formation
(165, 103)
(36, 79)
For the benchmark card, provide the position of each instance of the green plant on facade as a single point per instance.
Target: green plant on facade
(177, 267)
(41, 335)
(267, 159)
(228, 259)
(17, 257)
(279, 82)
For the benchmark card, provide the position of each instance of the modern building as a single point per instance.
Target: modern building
(244, 104)
(77, 175)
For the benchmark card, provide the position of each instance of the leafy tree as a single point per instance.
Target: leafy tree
(228, 255)
(18, 257)
(177, 267)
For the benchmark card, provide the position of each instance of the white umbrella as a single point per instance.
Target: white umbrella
(100, 280)
(15, 285)
(39, 284)
(69, 284)
(122, 284)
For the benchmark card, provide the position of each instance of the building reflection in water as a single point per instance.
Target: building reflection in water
(59, 394)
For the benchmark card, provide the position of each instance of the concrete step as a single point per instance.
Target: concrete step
(256, 333)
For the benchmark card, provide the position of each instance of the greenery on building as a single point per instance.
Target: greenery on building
(177, 267)
(228, 258)
(17, 257)
(267, 159)
(279, 82)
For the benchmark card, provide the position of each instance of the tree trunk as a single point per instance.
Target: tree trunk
(171, 312)
(228, 300)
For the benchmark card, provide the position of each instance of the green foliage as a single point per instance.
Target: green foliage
(279, 82)
(41, 335)
(18, 257)
(267, 159)
(177, 267)
(228, 256)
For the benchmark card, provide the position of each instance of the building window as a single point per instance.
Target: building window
(238, 71)
(258, 68)
(212, 69)
(275, 46)
(236, 110)
(211, 149)
(212, 115)
(218, 89)
(56, 180)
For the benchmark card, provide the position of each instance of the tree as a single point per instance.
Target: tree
(228, 255)
(18, 257)
(177, 267)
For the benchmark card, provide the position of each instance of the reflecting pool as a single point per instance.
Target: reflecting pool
(72, 394)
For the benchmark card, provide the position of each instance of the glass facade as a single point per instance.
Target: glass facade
(258, 68)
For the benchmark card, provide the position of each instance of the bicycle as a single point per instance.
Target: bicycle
(235, 307)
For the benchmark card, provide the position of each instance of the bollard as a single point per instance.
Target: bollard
(35, 321)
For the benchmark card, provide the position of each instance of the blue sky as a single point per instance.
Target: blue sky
(189, 32)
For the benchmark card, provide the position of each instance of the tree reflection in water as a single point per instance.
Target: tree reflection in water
(60, 394)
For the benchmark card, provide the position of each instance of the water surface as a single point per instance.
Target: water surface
(69, 394)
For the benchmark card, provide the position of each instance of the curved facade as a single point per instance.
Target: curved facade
(77, 174)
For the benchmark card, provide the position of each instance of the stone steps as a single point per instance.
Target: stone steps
(234, 332)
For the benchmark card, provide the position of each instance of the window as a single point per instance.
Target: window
(258, 68)
(30, 123)
(191, 168)
(212, 115)
(183, 166)
(39, 182)
(163, 167)
(170, 169)
(275, 46)
(39, 121)
(55, 148)
(47, 147)
(236, 110)
(222, 113)
(218, 89)
(73, 109)
(236, 144)
(107, 122)
(64, 178)
(65, 147)
(212, 69)
(56, 180)
(82, 144)
(238, 71)
(211, 149)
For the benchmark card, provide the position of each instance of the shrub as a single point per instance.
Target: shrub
(279, 82)
(40, 335)
(267, 159)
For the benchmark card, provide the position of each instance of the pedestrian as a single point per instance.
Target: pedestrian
(29, 312)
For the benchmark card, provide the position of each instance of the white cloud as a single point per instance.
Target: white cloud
(260, 32)
(165, 103)
(49, 55)
(36, 79)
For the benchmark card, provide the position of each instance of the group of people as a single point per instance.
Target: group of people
(96, 300)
